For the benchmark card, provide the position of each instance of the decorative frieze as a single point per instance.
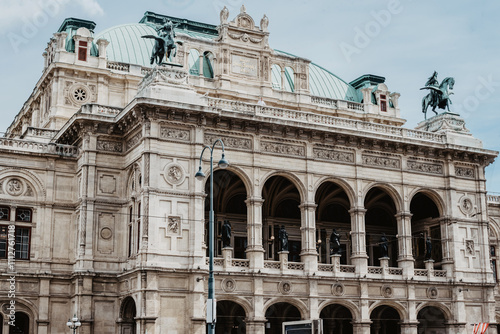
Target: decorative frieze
(110, 146)
(177, 134)
(134, 140)
(333, 155)
(279, 148)
(371, 160)
(425, 167)
(233, 142)
(464, 172)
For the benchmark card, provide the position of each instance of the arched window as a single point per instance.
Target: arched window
(289, 81)
(208, 59)
(276, 76)
(194, 62)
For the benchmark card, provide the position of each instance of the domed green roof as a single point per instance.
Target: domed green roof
(126, 44)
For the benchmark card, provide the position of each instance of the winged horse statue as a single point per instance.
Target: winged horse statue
(165, 44)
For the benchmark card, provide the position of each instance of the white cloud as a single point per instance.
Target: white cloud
(91, 7)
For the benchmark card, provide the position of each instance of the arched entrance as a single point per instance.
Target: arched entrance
(380, 222)
(332, 214)
(229, 204)
(385, 320)
(336, 319)
(281, 209)
(22, 324)
(426, 230)
(277, 314)
(127, 315)
(431, 320)
(230, 318)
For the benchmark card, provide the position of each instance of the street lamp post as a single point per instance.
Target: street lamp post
(73, 323)
(223, 163)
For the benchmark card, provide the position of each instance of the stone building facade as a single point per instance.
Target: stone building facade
(97, 183)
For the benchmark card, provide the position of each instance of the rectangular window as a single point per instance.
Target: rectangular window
(4, 213)
(82, 50)
(23, 215)
(22, 238)
(383, 103)
(130, 240)
(22, 243)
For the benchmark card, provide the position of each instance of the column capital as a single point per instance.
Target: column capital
(254, 201)
(403, 214)
(308, 205)
(357, 209)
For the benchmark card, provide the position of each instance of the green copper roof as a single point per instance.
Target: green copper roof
(126, 44)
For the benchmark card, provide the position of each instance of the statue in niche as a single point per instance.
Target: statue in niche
(384, 246)
(283, 236)
(165, 43)
(226, 234)
(334, 242)
(428, 248)
(439, 94)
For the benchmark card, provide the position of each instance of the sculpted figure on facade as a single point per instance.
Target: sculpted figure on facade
(283, 236)
(439, 94)
(224, 14)
(226, 234)
(335, 242)
(165, 44)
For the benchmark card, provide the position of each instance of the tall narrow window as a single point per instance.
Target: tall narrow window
(208, 58)
(22, 243)
(194, 62)
(289, 81)
(276, 76)
(383, 102)
(82, 50)
(138, 225)
(3, 241)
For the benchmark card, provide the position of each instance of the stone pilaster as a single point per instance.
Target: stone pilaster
(358, 236)
(405, 257)
(308, 255)
(254, 251)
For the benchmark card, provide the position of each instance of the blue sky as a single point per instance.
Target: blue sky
(402, 40)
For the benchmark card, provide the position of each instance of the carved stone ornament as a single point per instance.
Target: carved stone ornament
(385, 162)
(174, 173)
(432, 292)
(162, 75)
(285, 287)
(464, 172)
(109, 146)
(228, 285)
(173, 225)
(177, 134)
(466, 205)
(232, 142)
(386, 291)
(424, 167)
(333, 155)
(469, 247)
(134, 140)
(338, 289)
(290, 150)
(106, 233)
(15, 187)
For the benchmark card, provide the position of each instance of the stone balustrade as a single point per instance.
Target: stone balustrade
(37, 147)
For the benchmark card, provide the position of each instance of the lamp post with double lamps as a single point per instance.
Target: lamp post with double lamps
(223, 163)
(73, 324)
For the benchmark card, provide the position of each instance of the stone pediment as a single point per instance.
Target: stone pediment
(242, 30)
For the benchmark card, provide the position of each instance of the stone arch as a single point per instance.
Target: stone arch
(24, 306)
(31, 178)
(432, 194)
(403, 314)
(291, 177)
(391, 191)
(443, 308)
(346, 303)
(344, 185)
(303, 309)
(245, 304)
(236, 170)
(131, 173)
(128, 311)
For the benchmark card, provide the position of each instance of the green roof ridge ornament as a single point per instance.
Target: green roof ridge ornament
(165, 44)
(439, 94)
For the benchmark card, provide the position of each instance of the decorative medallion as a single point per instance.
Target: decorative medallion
(15, 187)
(174, 173)
(432, 292)
(228, 284)
(466, 205)
(106, 233)
(338, 289)
(386, 291)
(285, 287)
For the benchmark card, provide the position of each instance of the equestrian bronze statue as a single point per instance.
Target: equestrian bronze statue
(165, 44)
(439, 94)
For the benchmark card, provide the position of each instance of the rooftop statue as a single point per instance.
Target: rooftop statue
(165, 44)
(439, 95)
